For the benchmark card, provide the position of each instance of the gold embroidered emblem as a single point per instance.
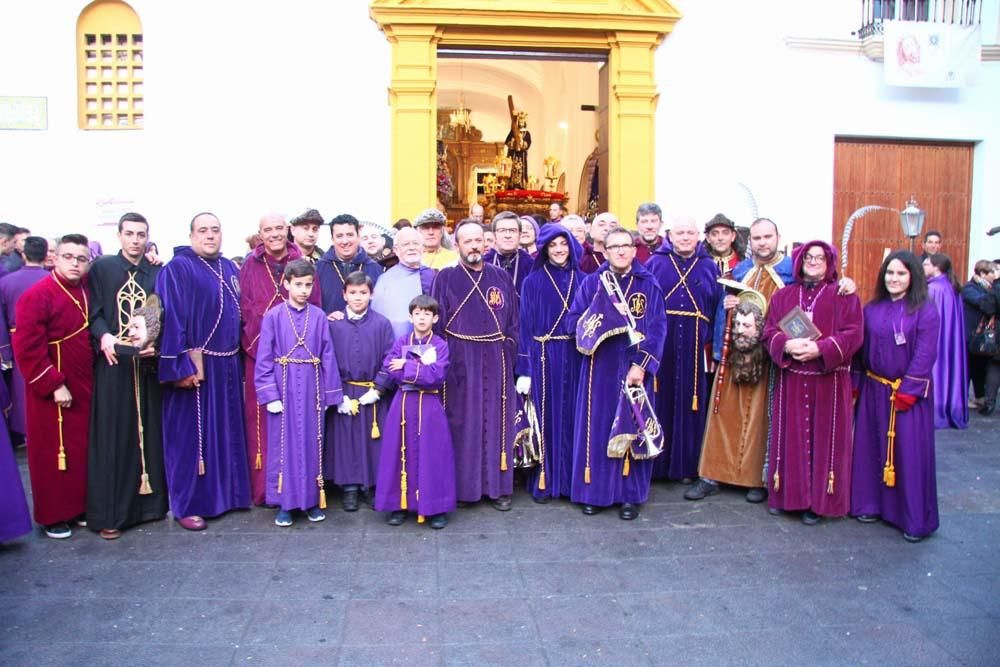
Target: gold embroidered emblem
(494, 298)
(637, 305)
(592, 324)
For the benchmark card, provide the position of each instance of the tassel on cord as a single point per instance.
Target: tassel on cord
(777, 481)
(586, 475)
(258, 464)
(62, 459)
(144, 488)
(281, 479)
(541, 481)
(889, 475)
(656, 385)
(201, 467)
(420, 518)
(694, 403)
(626, 467)
(829, 484)
(376, 433)
(322, 491)
(503, 460)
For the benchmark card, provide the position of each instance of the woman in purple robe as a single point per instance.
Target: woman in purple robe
(548, 363)
(894, 472)
(809, 445)
(14, 518)
(951, 375)
(417, 465)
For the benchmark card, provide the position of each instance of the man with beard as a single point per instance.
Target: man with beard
(723, 244)
(262, 288)
(479, 320)
(126, 484)
(508, 253)
(648, 222)
(397, 286)
(344, 258)
(304, 232)
(687, 276)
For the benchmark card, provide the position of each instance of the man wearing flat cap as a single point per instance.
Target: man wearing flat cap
(723, 244)
(431, 225)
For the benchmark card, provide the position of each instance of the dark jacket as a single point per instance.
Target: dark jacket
(978, 301)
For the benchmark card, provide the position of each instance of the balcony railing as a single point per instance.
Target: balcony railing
(949, 12)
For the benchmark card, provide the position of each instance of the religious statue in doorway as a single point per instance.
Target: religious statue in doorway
(518, 142)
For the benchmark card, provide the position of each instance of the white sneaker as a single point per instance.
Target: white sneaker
(58, 531)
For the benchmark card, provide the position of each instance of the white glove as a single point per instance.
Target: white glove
(274, 407)
(369, 397)
(429, 356)
(346, 407)
(523, 385)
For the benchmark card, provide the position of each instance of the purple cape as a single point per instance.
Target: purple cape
(601, 377)
(361, 346)
(911, 504)
(201, 310)
(951, 376)
(691, 295)
(416, 431)
(479, 319)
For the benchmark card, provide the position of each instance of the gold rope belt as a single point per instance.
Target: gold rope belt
(61, 458)
(546, 339)
(376, 433)
(497, 337)
(687, 313)
(889, 471)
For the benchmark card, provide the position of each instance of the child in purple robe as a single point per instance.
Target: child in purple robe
(417, 467)
(361, 340)
(296, 377)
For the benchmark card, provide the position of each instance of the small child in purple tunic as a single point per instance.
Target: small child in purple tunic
(296, 377)
(417, 467)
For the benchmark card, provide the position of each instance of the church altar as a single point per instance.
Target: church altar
(523, 202)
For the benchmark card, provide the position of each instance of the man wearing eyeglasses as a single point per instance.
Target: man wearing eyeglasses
(397, 286)
(508, 254)
(52, 347)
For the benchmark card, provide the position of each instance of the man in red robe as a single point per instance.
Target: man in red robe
(648, 224)
(52, 348)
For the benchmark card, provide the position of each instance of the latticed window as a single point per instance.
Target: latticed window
(109, 67)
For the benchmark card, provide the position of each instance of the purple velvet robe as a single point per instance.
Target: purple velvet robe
(601, 378)
(14, 518)
(479, 319)
(809, 444)
(517, 265)
(351, 450)
(306, 386)
(691, 295)
(261, 289)
(549, 356)
(201, 310)
(12, 286)
(951, 375)
(911, 504)
(417, 430)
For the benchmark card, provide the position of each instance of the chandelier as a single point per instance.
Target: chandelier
(460, 117)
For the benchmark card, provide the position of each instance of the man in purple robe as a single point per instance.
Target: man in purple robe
(809, 447)
(479, 319)
(397, 286)
(605, 336)
(687, 275)
(296, 379)
(892, 374)
(361, 341)
(204, 442)
(548, 364)
(417, 464)
(12, 286)
(951, 374)
(508, 254)
(344, 258)
(14, 517)
(261, 288)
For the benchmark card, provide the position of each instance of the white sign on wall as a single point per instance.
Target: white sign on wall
(24, 113)
(931, 55)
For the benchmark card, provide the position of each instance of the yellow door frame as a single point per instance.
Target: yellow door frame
(628, 31)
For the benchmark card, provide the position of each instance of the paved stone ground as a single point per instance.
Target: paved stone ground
(714, 582)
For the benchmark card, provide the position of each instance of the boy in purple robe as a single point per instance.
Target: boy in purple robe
(417, 466)
(687, 275)
(548, 365)
(894, 471)
(361, 340)
(613, 357)
(951, 374)
(809, 447)
(296, 379)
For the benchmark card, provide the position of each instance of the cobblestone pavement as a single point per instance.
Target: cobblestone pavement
(711, 582)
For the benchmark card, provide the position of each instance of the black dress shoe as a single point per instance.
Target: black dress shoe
(502, 504)
(628, 511)
(350, 500)
(541, 500)
(756, 495)
(810, 518)
(867, 518)
(701, 490)
(591, 510)
(989, 407)
(397, 518)
(438, 521)
(368, 496)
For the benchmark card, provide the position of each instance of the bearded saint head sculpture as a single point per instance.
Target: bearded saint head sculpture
(747, 357)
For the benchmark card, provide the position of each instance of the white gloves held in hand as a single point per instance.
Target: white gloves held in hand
(347, 407)
(369, 397)
(275, 407)
(523, 385)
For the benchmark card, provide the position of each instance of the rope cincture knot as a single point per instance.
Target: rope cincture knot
(889, 470)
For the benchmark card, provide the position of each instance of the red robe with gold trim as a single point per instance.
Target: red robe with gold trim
(52, 347)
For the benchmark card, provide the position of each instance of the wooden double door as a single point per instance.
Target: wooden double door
(887, 173)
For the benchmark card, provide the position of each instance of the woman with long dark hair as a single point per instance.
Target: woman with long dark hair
(951, 375)
(894, 470)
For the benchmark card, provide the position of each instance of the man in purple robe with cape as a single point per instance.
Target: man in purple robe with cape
(396, 288)
(548, 364)
(14, 517)
(417, 464)
(687, 276)
(204, 444)
(297, 379)
(508, 253)
(951, 373)
(612, 360)
(809, 447)
(894, 471)
(479, 320)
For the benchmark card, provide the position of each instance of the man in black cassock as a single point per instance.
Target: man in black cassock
(125, 484)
